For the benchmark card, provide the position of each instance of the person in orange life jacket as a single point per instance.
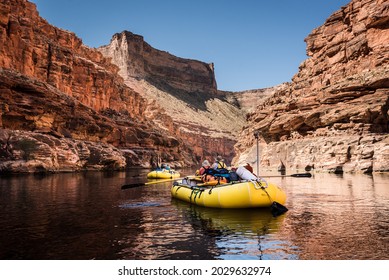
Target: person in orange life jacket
(219, 163)
(204, 166)
(205, 171)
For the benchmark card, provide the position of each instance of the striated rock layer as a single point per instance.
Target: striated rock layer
(209, 120)
(59, 97)
(138, 60)
(333, 116)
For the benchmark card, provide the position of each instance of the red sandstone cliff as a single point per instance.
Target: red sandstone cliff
(53, 87)
(334, 114)
(140, 61)
(186, 89)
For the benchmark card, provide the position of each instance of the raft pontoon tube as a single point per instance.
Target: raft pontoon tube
(237, 194)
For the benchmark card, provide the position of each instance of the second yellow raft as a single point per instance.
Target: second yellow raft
(163, 174)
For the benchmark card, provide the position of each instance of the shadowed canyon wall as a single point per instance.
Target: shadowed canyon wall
(333, 116)
(64, 107)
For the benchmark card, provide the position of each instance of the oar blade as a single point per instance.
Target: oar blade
(277, 209)
(297, 175)
(307, 175)
(130, 186)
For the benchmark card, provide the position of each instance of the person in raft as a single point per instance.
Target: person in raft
(219, 163)
(204, 167)
(206, 172)
(165, 167)
(217, 172)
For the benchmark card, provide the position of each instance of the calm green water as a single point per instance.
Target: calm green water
(88, 216)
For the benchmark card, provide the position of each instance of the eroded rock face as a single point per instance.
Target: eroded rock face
(23, 152)
(33, 47)
(185, 89)
(138, 60)
(53, 85)
(31, 107)
(340, 94)
(248, 100)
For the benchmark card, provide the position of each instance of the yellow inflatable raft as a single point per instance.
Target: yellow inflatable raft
(163, 174)
(243, 194)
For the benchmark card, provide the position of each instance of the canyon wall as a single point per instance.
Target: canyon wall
(247, 101)
(65, 106)
(186, 89)
(333, 116)
(54, 87)
(138, 60)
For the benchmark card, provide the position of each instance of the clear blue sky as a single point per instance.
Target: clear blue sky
(253, 43)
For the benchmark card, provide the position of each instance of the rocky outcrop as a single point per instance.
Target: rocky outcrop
(34, 110)
(138, 60)
(247, 101)
(208, 120)
(33, 47)
(54, 86)
(347, 153)
(334, 113)
(24, 152)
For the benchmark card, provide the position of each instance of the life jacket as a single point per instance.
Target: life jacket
(204, 170)
(221, 168)
(221, 165)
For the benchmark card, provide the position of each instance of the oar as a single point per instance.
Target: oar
(301, 175)
(135, 185)
(276, 208)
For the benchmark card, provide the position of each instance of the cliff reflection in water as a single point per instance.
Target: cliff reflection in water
(88, 216)
(156, 233)
(339, 216)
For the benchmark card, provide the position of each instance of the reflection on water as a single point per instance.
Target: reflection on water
(239, 233)
(88, 216)
(339, 217)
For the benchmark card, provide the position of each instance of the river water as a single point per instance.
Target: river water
(88, 216)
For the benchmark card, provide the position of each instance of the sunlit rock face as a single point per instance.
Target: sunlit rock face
(333, 116)
(54, 86)
(185, 89)
(138, 60)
